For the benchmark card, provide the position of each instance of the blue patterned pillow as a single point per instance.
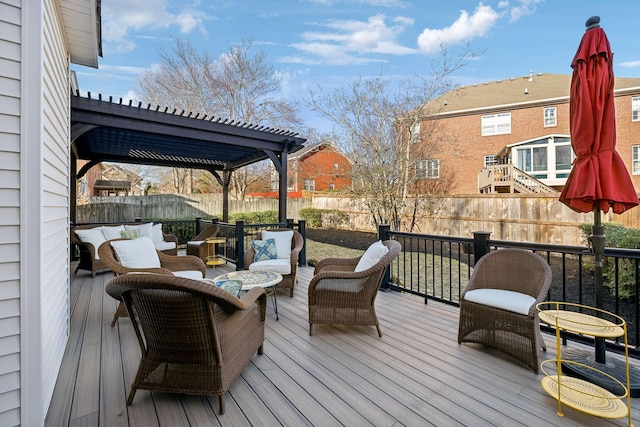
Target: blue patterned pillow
(264, 249)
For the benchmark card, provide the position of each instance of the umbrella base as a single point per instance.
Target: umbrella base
(615, 368)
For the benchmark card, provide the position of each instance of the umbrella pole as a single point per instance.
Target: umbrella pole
(597, 239)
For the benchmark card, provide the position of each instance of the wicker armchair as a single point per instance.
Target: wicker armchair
(194, 337)
(169, 264)
(507, 321)
(338, 295)
(198, 245)
(288, 280)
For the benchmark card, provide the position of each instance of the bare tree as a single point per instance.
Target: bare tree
(381, 125)
(240, 85)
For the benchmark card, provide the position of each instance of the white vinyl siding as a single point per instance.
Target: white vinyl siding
(10, 105)
(55, 200)
(496, 124)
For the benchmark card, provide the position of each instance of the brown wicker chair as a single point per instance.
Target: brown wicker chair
(198, 245)
(516, 334)
(168, 263)
(288, 280)
(194, 337)
(340, 296)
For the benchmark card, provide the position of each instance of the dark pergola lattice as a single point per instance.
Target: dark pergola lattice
(108, 131)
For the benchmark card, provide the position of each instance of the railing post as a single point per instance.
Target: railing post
(240, 245)
(480, 244)
(198, 219)
(383, 230)
(302, 257)
(290, 223)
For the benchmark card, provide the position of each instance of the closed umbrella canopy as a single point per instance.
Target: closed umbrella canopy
(599, 178)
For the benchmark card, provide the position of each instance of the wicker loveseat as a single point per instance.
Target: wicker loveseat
(194, 337)
(87, 238)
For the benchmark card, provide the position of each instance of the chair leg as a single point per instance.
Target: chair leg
(291, 293)
(379, 331)
(221, 399)
(261, 349)
(310, 329)
(130, 397)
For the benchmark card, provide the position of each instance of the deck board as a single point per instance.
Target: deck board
(416, 374)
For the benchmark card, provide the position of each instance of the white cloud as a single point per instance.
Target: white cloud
(121, 18)
(523, 8)
(375, 3)
(465, 28)
(348, 41)
(630, 64)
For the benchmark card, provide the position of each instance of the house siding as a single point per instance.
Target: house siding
(10, 105)
(55, 200)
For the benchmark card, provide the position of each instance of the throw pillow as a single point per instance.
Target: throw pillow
(232, 286)
(156, 233)
(130, 234)
(93, 236)
(145, 229)
(111, 233)
(264, 249)
(136, 253)
(283, 242)
(371, 256)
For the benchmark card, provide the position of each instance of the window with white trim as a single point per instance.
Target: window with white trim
(635, 108)
(490, 160)
(414, 133)
(309, 185)
(427, 169)
(635, 159)
(550, 117)
(496, 124)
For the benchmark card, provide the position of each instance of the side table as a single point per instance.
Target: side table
(213, 258)
(255, 278)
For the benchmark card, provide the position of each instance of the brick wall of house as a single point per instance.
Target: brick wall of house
(320, 166)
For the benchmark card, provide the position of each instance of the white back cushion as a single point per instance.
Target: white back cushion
(371, 256)
(145, 229)
(93, 236)
(156, 233)
(283, 242)
(136, 253)
(111, 233)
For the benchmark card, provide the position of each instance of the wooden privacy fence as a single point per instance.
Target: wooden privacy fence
(513, 217)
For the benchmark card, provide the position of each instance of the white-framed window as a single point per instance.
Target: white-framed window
(635, 159)
(335, 166)
(550, 117)
(490, 160)
(532, 159)
(309, 185)
(427, 169)
(332, 186)
(415, 133)
(496, 124)
(635, 108)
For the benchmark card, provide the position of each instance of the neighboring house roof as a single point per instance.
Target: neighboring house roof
(83, 30)
(512, 92)
(307, 150)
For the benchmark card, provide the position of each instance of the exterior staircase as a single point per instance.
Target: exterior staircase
(510, 179)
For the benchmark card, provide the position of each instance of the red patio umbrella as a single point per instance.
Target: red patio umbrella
(599, 179)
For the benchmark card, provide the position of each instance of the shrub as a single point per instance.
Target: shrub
(265, 217)
(313, 216)
(617, 236)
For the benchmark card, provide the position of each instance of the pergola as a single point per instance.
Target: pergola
(110, 131)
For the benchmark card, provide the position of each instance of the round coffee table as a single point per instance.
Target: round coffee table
(256, 278)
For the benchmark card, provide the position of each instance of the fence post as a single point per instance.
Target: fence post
(383, 230)
(240, 245)
(480, 244)
(302, 257)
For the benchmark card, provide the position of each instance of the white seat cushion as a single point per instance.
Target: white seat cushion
(371, 256)
(505, 300)
(195, 243)
(282, 266)
(283, 242)
(93, 236)
(164, 246)
(136, 253)
(189, 274)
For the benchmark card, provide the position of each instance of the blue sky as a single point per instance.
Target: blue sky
(332, 42)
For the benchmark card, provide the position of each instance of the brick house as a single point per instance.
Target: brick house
(318, 167)
(522, 123)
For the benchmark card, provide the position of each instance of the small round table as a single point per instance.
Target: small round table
(252, 278)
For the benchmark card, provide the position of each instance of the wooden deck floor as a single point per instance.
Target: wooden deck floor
(415, 375)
